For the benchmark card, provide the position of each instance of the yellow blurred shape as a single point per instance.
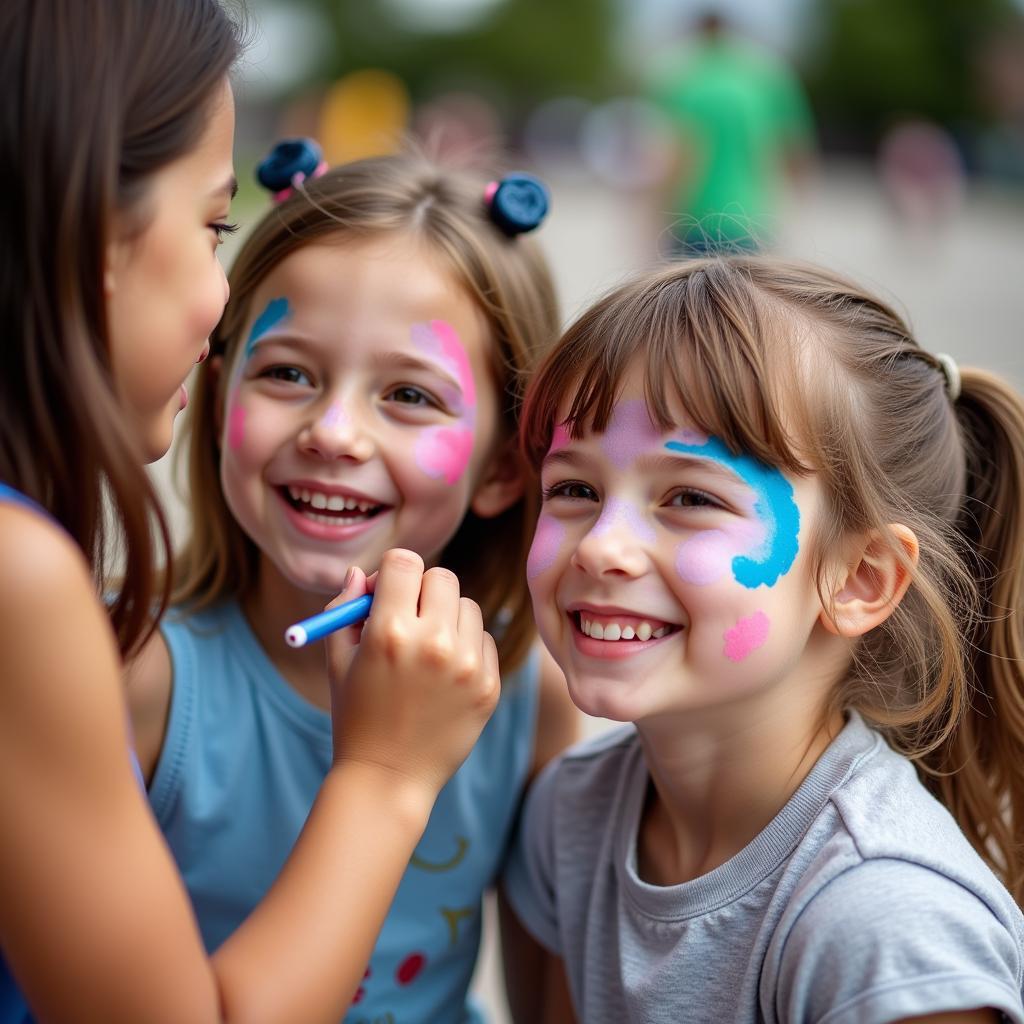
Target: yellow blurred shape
(364, 113)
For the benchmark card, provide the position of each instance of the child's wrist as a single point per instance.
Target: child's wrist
(410, 797)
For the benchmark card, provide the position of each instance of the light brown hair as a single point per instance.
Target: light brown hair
(807, 372)
(508, 278)
(96, 98)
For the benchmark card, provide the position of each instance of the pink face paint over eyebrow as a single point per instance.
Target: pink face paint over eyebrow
(746, 636)
(446, 451)
(617, 512)
(547, 539)
(559, 438)
(630, 433)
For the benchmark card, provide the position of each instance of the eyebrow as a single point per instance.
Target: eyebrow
(651, 463)
(229, 188)
(387, 360)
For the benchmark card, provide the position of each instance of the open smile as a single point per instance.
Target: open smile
(329, 515)
(617, 634)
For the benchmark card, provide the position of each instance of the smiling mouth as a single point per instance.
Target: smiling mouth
(331, 509)
(622, 630)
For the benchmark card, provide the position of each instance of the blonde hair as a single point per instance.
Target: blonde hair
(509, 280)
(807, 372)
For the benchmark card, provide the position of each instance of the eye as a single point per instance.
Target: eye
(692, 497)
(574, 490)
(407, 394)
(287, 375)
(221, 229)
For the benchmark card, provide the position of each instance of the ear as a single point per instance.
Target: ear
(873, 582)
(502, 484)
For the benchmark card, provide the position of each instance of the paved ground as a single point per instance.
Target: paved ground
(962, 286)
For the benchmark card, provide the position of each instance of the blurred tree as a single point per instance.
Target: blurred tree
(523, 50)
(873, 60)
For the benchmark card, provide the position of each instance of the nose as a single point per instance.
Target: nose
(616, 544)
(335, 432)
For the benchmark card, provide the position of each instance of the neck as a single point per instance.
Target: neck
(719, 776)
(271, 607)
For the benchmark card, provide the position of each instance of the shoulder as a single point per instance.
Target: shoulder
(892, 938)
(47, 590)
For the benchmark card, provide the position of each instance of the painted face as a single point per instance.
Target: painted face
(360, 412)
(668, 574)
(166, 287)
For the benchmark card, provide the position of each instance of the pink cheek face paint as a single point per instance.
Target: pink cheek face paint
(547, 541)
(236, 422)
(746, 636)
(445, 452)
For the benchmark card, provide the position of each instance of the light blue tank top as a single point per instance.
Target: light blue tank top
(12, 1005)
(242, 762)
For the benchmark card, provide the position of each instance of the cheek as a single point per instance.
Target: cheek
(708, 556)
(547, 543)
(443, 453)
(746, 636)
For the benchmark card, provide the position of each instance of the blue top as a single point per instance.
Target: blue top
(12, 1006)
(242, 762)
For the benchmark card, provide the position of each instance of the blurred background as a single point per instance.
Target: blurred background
(884, 138)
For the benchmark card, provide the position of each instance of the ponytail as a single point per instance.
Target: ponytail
(978, 771)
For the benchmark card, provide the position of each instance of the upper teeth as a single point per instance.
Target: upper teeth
(334, 502)
(613, 631)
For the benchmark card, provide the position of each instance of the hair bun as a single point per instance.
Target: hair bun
(517, 203)
(288, 164)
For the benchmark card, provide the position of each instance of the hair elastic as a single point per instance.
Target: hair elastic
(952, 374)
(288, 165)
(517, 203)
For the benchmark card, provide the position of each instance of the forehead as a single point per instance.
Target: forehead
(371, 291)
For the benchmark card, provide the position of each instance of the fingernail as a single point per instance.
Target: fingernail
(348, 577)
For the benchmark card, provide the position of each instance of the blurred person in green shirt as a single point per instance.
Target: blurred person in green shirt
(740, 125)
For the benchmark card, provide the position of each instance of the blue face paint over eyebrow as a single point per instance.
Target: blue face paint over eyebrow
(774, 505)
(276, 311)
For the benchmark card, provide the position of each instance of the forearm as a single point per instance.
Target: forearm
(302, 952)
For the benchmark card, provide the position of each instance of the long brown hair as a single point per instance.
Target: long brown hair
(508, 278)
(808, 372)
(96, 97)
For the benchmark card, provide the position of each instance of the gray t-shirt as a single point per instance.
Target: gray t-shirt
(860, 903)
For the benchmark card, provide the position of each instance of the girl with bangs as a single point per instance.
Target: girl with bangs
(361, 395)
(785, 543)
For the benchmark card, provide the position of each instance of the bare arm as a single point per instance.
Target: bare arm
(535, 980)
(89, 894)
(558, 719)
(148, 681)
(957, 1017)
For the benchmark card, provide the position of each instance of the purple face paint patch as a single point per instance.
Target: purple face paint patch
(441, 340)
(335, 416)
(547, 539)
(746, 636)
(707, 556)
(444, 452)
(630, 433)
(617, 512)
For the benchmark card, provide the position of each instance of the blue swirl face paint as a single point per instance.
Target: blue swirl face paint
(276, 311)
(774, 506)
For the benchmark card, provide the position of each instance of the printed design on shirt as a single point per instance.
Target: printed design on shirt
(453, 915)
(461, 849)
(409, 968)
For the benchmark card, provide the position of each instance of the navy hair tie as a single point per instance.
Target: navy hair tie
(517, 203)
(289, 164)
